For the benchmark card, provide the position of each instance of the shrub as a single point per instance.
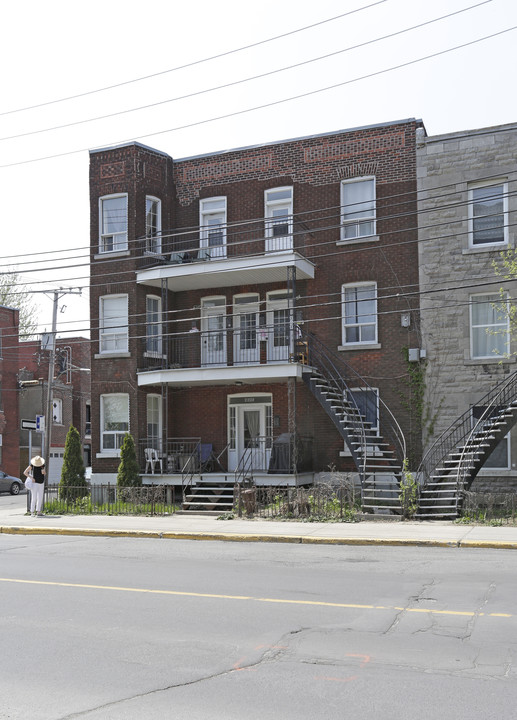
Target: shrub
(73, 484)
(128, 471)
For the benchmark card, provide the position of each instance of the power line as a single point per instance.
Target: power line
(195, 62)
(243, 80)
(274, 103)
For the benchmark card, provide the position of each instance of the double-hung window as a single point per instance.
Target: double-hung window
(359, 303)
(278, 213)
(358, 209)
(113, 324)
(114, 421)
(153, 225)
(113, 223)
(212, 222)
(153, 325)
(488, 214)
(489, 327)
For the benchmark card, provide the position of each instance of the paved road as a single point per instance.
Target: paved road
(131, 629)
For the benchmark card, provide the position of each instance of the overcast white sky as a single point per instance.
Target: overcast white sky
(56, 49)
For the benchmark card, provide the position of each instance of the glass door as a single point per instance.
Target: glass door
(279, 346)
(213, 332)
(246, 347)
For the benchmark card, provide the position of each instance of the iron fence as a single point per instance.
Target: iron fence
(112, 500)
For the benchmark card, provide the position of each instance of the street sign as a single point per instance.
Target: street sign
(28, 424)
(40, 423)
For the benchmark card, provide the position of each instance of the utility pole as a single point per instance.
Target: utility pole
(51, 367)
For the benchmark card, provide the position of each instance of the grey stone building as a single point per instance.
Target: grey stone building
(467, 214)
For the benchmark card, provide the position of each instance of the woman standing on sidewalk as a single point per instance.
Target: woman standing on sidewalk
(36, 473)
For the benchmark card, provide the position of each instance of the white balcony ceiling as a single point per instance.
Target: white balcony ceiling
(263, 269)
(229, 375)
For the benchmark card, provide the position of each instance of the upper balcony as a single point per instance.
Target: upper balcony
(228, 255)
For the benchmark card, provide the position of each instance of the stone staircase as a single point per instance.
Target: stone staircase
(451, 464)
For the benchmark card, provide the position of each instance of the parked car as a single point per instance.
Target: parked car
(9, 483)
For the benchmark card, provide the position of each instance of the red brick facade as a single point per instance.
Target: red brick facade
(9, 416)
(315, 168)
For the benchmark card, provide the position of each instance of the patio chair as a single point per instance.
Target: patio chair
(151, 459)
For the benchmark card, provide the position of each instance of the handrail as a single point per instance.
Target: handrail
(346, 379)
(457, 431)
(506, 392)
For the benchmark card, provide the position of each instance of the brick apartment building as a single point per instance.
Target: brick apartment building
(228, 288)
(9, 416)
(71, 398)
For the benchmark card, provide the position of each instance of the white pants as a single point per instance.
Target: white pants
(37, 496)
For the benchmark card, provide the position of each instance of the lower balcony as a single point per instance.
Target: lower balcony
(219, 357)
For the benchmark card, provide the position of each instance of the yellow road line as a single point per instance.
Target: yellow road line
(282, 601)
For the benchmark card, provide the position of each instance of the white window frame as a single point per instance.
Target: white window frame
(117, 434)
(278, 242)
(114, 241)
(495, 328)
(210, 210)
(153, 234)
(348, 220)
(358, 324)
(154, 337)
(119, 334)
(471, 215)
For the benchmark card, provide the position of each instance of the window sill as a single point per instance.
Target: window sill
(99, 356)
(355, 241)
(114, 253)
(491, 360)
(359, 346)
(496, 247)
(106, 454)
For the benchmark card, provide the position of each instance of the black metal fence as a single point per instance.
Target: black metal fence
(112, 500)
(491, 508)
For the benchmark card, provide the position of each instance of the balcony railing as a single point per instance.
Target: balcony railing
(231, 242)
(223, 347)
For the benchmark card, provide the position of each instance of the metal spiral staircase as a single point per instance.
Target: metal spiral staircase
(378, 453)
(450, 465)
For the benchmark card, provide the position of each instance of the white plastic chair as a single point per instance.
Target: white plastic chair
(151, 459)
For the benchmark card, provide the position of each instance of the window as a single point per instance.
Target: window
(212, 222)
(357, 208)
(500, 457)
(113, 324)
(489, 327)
(153, 225)
(153, 342)
(154, 421)
(488, 214)
(359, 314)
(88, 420)
(57, 411)
(114, 421)
(113, 223)
(278, 213)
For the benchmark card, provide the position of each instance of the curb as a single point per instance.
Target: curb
(260, 538)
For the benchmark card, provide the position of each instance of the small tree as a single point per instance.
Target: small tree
(73, 484)
(128, 471)
(14, 293)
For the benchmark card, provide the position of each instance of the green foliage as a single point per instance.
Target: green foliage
(13, 293)
(128, 471)
(408, 494)
(73, 484)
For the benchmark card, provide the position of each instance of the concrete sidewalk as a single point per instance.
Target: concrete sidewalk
(13, 520)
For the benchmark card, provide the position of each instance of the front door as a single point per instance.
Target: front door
(250, 441)
(213, 332)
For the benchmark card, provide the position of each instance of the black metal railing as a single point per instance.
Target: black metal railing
(458, 432)
(173, 456)
(286, 454)
(264, 344)
(232, 241)
(348, 384)
(110, 499)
